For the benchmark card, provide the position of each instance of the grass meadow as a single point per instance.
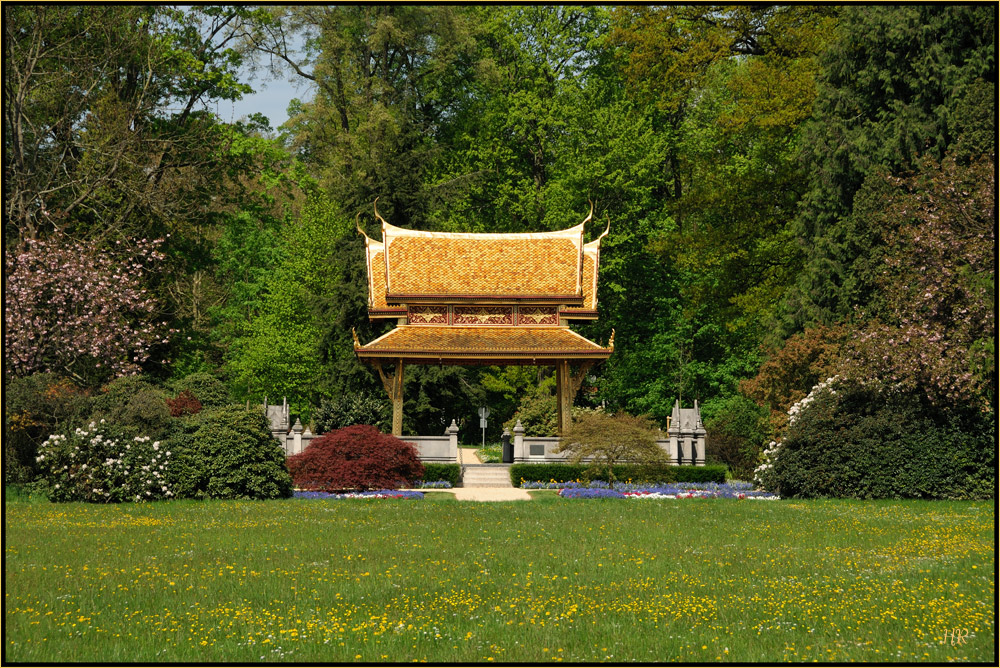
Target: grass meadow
(543, 581)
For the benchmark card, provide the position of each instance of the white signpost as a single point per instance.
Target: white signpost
(483, 414)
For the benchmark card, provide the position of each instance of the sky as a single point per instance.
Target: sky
(271, 99)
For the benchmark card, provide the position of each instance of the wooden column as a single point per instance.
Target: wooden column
(564, 402)
(394, 388)
(567, 385)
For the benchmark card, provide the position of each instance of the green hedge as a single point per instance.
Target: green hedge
(861, 443)
(449, 472)
(569, 472)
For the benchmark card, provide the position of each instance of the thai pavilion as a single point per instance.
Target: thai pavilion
(478, 299)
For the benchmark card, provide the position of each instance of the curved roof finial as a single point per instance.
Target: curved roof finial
(357, 344)
(605, 233)
(591, 214)
(377, 213)
(357, 224)
(611, 341)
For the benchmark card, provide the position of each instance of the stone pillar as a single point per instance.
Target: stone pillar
(296, 437)
(519, 455)
(684, 450)
(452, 432)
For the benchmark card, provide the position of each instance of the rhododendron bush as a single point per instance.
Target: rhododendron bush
(75, 307)
(99, 465)
(358, 457)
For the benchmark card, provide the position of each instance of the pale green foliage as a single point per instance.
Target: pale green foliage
(607, 440)
(275, 351)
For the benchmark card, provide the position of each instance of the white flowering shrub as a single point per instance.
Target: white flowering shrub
(764, 476)
(99, 466)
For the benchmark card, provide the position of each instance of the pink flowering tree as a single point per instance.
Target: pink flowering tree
(77, 309)
(934, 332)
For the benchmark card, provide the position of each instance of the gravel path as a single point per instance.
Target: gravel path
(491, 494)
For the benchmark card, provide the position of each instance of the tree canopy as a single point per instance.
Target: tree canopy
(793, 191)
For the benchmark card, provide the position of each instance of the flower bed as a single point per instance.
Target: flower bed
(374, 494)
(435, 484)
(601, 490)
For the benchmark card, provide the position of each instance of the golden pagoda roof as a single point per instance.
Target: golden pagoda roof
(418, 267)
(481, 345)
(446, 266)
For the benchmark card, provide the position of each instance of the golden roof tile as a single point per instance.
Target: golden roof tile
(445, 265)
(482, 345)
(591, 264)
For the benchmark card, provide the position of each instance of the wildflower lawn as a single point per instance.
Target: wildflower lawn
(553, 579)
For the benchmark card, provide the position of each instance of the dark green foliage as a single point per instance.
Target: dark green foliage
(449, 472)
(186, 473)
(206, 388)
(708, 473)
(135, 404)
(434, 396)
(117, 393)
(35, 407)
(364, 407)
(231, 455)
(560, 472)
(869, 443)
(737, 430)
(901, 82)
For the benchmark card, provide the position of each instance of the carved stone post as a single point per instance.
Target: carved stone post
(519, 455)
(296, 437)
(452, 432)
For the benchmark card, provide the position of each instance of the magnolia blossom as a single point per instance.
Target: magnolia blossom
(76, 305)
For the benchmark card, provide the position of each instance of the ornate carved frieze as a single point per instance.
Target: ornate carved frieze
(483, 315)
(427, 315)
(537, 315)
(507, 315)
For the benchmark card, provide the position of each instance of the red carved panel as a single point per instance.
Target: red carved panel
(484, 315)
(537, 315)
(427, 315)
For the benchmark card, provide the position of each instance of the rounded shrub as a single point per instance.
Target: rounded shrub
(206, 388)
(103, 464)
(230, 455)
(868, 442)
(34, 407)
(135, 404)
(358, 458)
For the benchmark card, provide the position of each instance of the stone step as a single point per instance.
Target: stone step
(486, 476)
